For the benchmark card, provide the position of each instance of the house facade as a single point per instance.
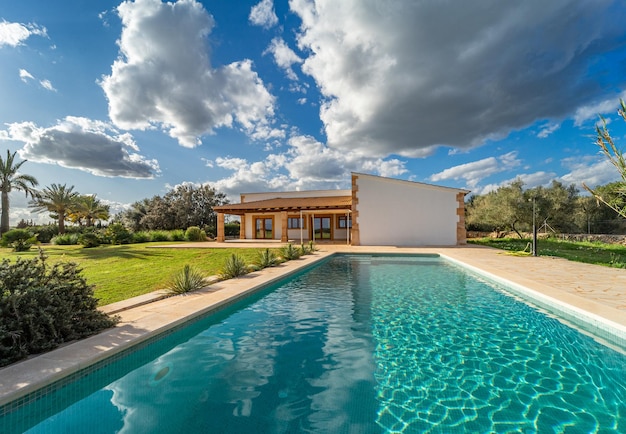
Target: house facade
(375, 211)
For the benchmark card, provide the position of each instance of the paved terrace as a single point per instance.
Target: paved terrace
(598, 290)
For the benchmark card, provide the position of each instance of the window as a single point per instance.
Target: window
(293, 223)
(344, 221)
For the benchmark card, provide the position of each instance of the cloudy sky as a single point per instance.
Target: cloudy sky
(127, 100)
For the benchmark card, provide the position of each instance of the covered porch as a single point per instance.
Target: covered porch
(296, 218)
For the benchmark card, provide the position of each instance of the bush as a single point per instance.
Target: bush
(119, 234)
(42, 307)
(160, 236)
(290, 252)
(46, 233)
(266, 258)
(65, 240)
(189, 279)
(20, 240)
(176, 235)
(194, 233)
(234, 266)
(141, 237)
(89, 239)
(232, 229)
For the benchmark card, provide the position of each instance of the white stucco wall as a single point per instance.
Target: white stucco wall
(393, 212)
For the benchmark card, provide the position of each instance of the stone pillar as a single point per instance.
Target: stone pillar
(461, 232)
(220, 227)
(242, 227)
(284, 232)
(356, 236)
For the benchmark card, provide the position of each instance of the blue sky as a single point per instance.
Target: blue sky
(127, 100)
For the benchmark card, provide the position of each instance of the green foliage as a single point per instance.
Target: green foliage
(189, 279)
(43, 306)
(266, 258)
(304, 250)
(194, 233)
(232, 229)
(141, 237)
(45, 233)
(65, 240)
(234, 266)
(20, 240)
(290, 252)
(89, 239)
(312, 246)
(175, 235)
(161, 236)
(118, 234)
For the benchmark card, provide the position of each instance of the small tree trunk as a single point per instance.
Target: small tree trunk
(4, 219)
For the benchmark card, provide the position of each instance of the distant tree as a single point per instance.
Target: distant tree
(507, 208)
(555, 206)
(89, 209)
(11, 179)
(58, 200)
(182, 207)
(616, 157)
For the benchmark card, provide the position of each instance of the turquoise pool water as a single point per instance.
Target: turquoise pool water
(358, 344)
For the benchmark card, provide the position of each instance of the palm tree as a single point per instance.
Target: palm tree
(89, 208)
(58, 200)
(10, 179)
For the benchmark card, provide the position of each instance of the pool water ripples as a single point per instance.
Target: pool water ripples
(361, 344)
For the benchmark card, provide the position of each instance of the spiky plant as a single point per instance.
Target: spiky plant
(266, 258)
(290, 252)
(189, 279)
(234, 266)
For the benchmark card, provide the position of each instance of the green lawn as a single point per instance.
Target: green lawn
(122, 272)
(610, 255)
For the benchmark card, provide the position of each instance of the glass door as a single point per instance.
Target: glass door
(263, 228)
(322, 228)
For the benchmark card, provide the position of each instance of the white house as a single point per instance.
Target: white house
(375, 211)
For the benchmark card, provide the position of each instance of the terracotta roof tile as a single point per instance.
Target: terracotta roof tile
(288, 204)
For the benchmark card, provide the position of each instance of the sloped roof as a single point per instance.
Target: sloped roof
(288, 204)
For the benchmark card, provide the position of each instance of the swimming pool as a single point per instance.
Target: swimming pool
(359, 343)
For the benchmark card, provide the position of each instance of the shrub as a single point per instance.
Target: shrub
(232, 229)
(175, 235)
(65, 240)
(189, 279)
(89, 239)
(266, 258)
(141, 237)
(119, 234)
(159, 236)
(42, 307)
(20, 240)
(234, 266)
(194, 233)
(290, 252)
(46, 232)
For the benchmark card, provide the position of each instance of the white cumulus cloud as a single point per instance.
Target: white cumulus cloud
(164, 77)
(476, 171)
(92, 146)
(262, 14)
(406, 77)
(14, 34)
(284, 56)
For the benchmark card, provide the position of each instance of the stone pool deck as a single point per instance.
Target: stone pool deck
(600, 291)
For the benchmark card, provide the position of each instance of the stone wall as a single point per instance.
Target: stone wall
(603, 238)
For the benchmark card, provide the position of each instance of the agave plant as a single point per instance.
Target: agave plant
(266, 258)
(189, 279)
(234, 266)
(290, 252)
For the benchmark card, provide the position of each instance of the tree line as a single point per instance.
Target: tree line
(557, 208)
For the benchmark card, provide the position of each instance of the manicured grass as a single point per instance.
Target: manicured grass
(610, 255)
(122, 272)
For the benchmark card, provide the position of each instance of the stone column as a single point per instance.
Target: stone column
(220, 227)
